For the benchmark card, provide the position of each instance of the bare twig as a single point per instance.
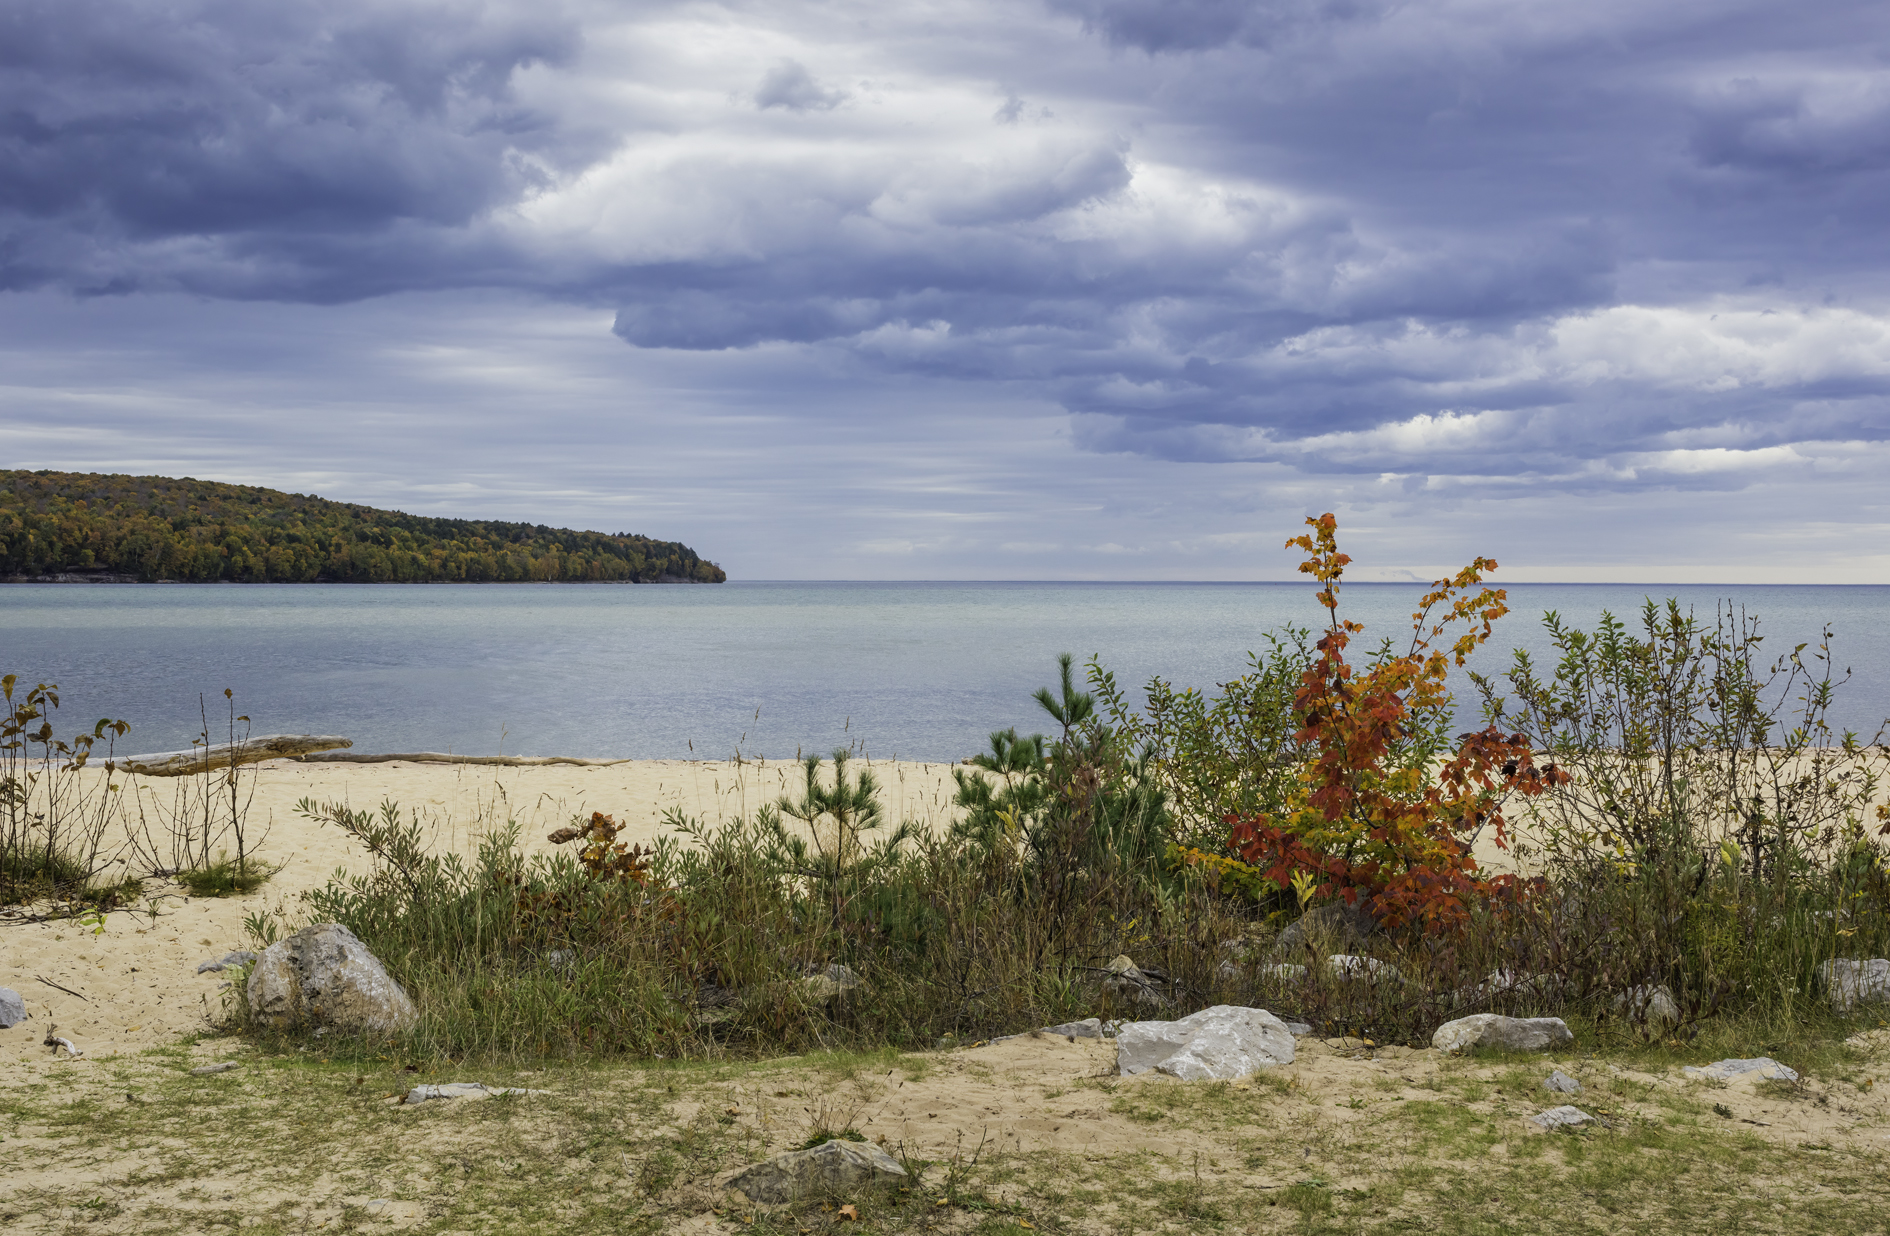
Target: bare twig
(67, 990)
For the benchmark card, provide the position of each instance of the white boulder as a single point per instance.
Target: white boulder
(1508, 1033)
(1654, 1006)
(1851, 983)
(1216, 1044)
(323, 976)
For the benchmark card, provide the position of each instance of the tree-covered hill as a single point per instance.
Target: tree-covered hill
(153, 527)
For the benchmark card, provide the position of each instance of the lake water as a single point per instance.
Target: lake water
(914, 670)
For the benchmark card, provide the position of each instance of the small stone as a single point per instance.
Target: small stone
(1653, 1005)
(1726, 1070)
(833, 981)
(209, 1069)
(1216, 1044)
(240, 957)
(1561, 1118)
(1345, 926)
(835, 1165)
(1347, 966)
(1088, 1028)
(1298, 1029)
(462, 1090)
(1562, 1083)
(1125, 979)
(12, 1008)
(1508, 1033)
(1500, 982)
(1851, 983)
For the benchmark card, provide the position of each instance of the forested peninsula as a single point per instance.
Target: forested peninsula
(62, 526)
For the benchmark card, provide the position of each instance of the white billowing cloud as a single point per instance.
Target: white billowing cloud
(1723, 345)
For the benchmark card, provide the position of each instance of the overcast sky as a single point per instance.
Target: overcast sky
(979, 288)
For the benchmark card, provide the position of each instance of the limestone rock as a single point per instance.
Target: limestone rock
(833, 981)
(1561, 1118)
(1347, 966)
(461, 1090)
(1508, 1033)
(1851, 983)
(1088, 1028)
(1215, 1044)
(1334, 928)
(1726, 1070)
(1562, 1083)
(1500, 982)
(836, 1165)
(1126, 979)
(240, 957)
(324, 976)
(12, 1008)
(1654, 1006)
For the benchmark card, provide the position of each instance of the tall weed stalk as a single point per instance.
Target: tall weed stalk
(53, 819)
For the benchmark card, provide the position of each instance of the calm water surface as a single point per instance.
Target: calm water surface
(917, 670)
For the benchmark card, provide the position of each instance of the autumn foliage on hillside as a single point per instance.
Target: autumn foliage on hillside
(1372, 821)
(151, 528)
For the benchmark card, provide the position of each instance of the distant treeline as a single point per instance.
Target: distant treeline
(156, 528)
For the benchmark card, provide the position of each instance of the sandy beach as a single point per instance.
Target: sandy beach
(135, 983)
(250, 1137)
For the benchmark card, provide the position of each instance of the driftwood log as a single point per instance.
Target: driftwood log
(441, 757)
(248, 751)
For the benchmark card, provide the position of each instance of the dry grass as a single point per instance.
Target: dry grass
(1028, 1136)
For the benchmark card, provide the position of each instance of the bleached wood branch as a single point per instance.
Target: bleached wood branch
(248, 751)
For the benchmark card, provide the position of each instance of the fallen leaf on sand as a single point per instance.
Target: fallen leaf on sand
(850, 1213)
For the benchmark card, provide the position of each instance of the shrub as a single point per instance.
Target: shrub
(1715, 828)
(1370, 821)
(53, 820)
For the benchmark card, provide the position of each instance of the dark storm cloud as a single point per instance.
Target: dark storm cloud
(146, 143)
(1192, 25)
(789, 85)
(1346, 236)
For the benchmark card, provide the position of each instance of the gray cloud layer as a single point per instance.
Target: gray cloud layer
(1456, 246)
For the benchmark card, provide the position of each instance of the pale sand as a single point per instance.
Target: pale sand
(137, 983)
